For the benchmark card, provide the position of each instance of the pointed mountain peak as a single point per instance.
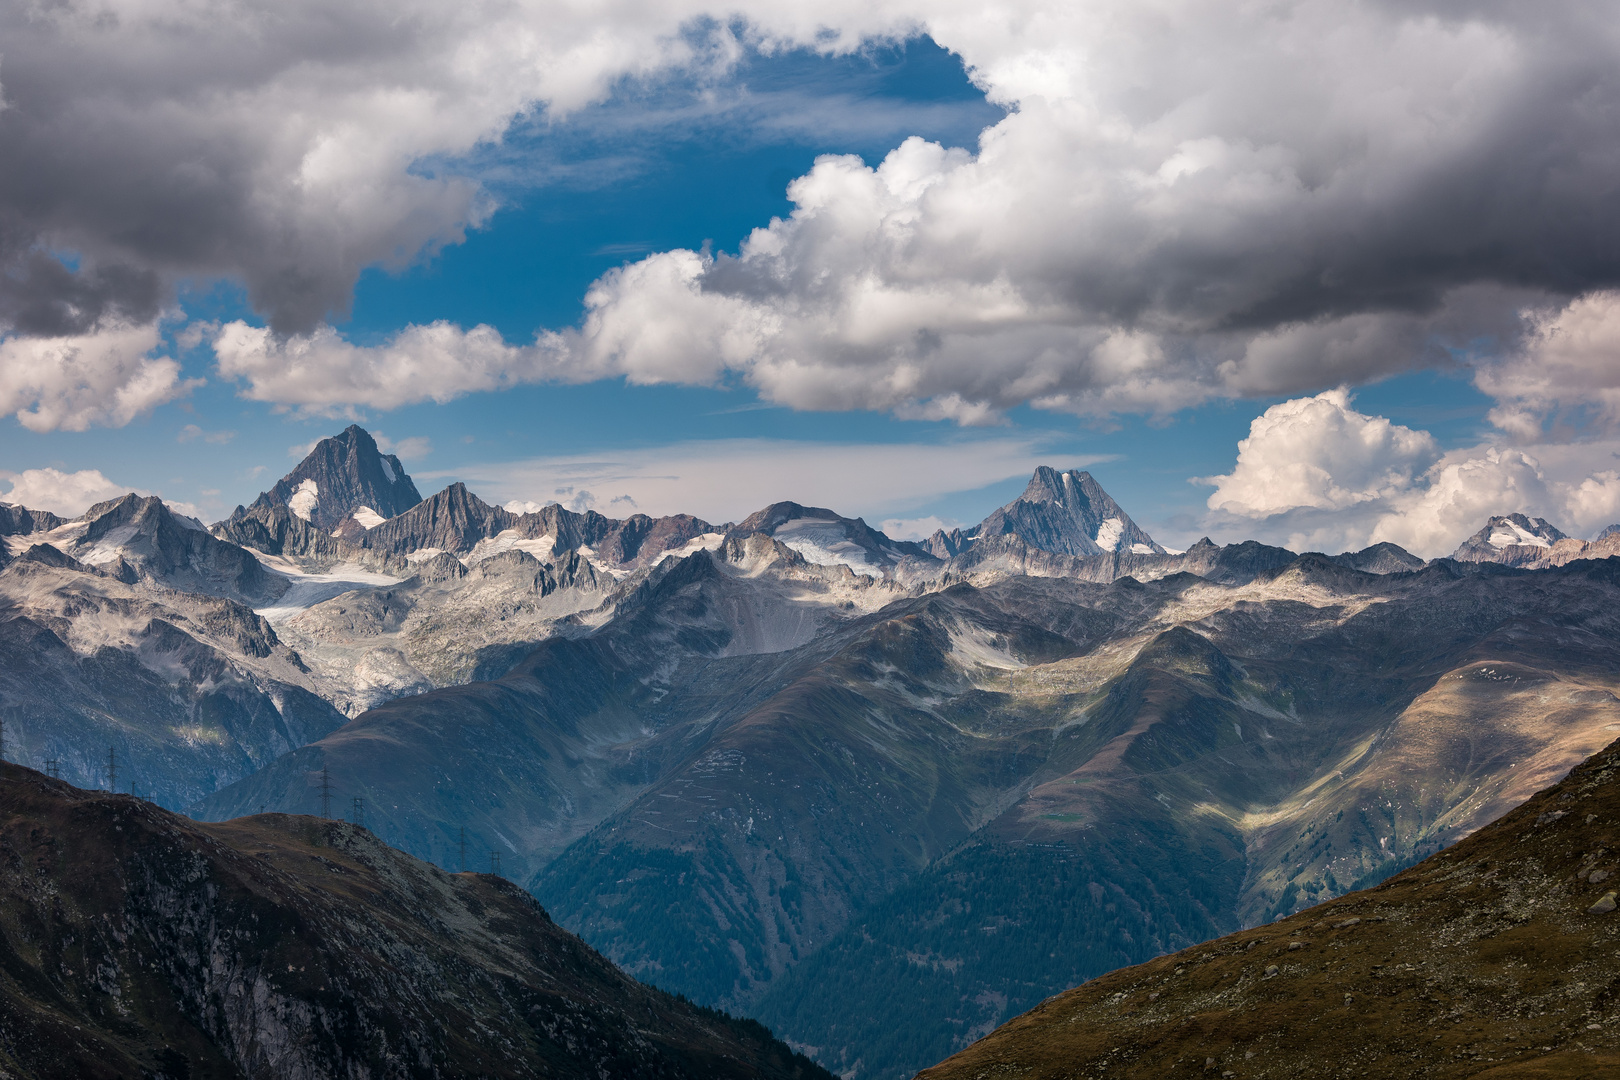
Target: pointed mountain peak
(345, 482)
(1068, 513)
(1509, 538)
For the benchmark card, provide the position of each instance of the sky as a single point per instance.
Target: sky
(1321, 274)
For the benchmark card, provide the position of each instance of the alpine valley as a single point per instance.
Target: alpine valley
(881, 795)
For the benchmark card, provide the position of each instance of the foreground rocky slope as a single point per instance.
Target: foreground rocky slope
(137, 943)
(1493, 958)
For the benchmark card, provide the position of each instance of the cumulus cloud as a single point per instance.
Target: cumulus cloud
(1188, 199)
(1315, 474)
(1319, 453)
(65, 494)
(106, 376)
(917, 528)
(289, 145)
(726, 480)
(1565, 374)
(324, 375)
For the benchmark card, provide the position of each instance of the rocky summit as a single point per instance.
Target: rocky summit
(1493, 958)
(345, 484)
(137, 943)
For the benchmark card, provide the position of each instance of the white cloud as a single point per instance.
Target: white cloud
(410, 448)
(106, 377)
(65, 494)
(193, 431)
(1319, 453)
(1566, 373)
(324, 375)
(1314, 474)
(1189, 199)
(917, 528)
(726, 480)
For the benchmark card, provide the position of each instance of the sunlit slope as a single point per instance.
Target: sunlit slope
(1493, 958)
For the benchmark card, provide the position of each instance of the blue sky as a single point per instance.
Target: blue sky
(693, 156)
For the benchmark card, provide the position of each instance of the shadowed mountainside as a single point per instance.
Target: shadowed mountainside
(137, 943)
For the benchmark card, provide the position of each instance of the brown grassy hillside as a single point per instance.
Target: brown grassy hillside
(1498, 957)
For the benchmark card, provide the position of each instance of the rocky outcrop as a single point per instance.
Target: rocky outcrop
(175, 552)
(138, 943)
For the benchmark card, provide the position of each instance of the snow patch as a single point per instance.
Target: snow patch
(709, 541)
(110, 546)
(1511, 534)
(422, 555)
(367, 517)
(824, 543)
(304, 499)
(1109, 532)
(974, 646)
(388, 471)
(1141, 549)
(511, 540)
(307, 590)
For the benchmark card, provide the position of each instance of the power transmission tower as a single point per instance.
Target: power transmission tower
(326, 794)
(464, 849)
(359, 811)
(53, 768)
(2, 738)
(112, 770)
(495, 863)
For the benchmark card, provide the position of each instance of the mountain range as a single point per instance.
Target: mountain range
(795, 768)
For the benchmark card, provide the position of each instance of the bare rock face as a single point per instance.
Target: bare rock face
(1490, 958)
(138, 943)
(1066, 514)
(344, 479)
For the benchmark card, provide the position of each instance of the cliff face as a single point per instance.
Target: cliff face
(136, 943)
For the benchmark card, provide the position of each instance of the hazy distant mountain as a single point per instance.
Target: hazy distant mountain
(1491, 959)
(139, 943)
(345, 479)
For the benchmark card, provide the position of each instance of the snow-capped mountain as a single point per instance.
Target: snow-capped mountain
(345, 485)
(1512, 539)
(1064, 513)
(829, 539)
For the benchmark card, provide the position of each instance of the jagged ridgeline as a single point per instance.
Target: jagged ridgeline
(882, 794)
(139, 943)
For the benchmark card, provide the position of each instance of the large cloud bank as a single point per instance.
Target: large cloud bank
(1189, 200)
(1316, 474)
